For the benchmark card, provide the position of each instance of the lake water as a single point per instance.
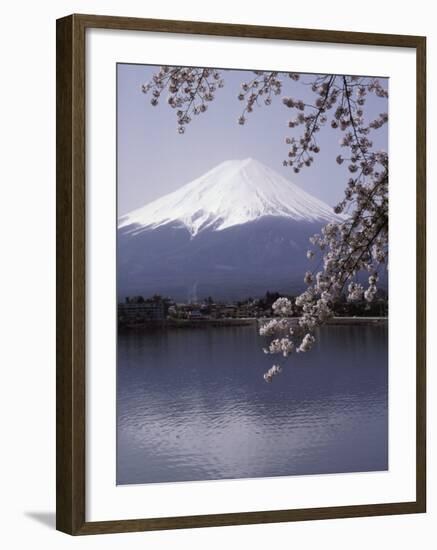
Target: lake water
(192, 405)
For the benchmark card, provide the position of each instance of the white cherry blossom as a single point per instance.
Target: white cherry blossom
(342, 251)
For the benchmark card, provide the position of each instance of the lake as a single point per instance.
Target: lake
(192, 405)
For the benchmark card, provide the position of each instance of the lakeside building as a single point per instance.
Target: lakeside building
(138, 310)
(213, 311)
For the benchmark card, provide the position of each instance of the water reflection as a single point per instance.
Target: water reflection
(192, 405)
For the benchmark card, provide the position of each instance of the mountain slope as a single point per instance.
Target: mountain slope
(241, 261)
(233, 193)
(238, 231)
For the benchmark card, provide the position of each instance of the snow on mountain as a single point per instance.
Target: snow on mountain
(233, 193)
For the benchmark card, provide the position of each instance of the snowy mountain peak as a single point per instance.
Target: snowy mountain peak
(233, 193)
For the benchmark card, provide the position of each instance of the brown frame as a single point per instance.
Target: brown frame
(70, 298)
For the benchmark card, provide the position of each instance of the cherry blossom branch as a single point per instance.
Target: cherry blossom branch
(189, 90)
(357, 242)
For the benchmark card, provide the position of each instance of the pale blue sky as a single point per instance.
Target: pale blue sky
(153, 159)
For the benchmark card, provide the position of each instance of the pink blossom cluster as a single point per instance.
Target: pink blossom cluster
(358, 242)
(189, 90)
(259, 90)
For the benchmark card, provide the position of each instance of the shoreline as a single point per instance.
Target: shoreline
(204, 323)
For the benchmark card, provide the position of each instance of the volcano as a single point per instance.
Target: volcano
(237, 231)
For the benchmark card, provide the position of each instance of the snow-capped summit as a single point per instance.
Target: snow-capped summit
(233, 193)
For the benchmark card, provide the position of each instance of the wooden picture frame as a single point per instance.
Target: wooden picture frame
(71, 253)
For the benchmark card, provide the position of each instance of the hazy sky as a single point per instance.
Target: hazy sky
(153, 159)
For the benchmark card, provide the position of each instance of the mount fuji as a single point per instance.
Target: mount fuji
(237, 231)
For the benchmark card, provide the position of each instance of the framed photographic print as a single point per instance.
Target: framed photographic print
(240, 274)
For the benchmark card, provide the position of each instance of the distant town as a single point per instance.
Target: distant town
(138, 311)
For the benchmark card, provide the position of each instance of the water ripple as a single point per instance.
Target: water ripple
(192, 405)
